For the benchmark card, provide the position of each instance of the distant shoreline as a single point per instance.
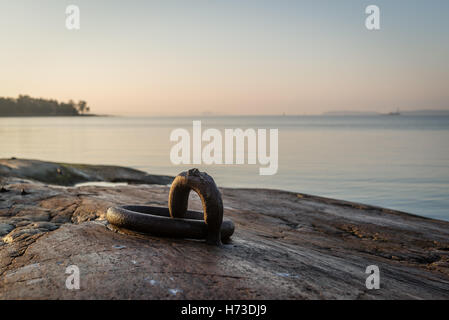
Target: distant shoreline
(26, 106)
(326, 114)
(54, 115)
(429, 112)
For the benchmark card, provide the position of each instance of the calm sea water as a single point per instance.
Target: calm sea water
(399, 162)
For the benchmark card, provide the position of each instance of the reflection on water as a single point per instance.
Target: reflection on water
(100, 184)
(396, 162)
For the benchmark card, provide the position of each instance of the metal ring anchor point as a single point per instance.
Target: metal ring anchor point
(177, 221)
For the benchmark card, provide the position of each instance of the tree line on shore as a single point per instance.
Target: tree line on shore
(26, 106)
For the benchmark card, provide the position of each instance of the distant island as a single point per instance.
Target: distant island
(25, 106)
(430, 112)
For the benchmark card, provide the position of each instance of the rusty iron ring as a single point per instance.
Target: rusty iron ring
(157, 221)
(204, 185)
(177, 221)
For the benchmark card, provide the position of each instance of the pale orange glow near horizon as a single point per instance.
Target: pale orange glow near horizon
(158, 59)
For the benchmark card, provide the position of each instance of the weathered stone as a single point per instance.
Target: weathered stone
(69, 174)
(5, 229)
(20, 234)
(286, 246)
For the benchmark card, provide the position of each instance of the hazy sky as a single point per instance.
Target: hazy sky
(227, 56)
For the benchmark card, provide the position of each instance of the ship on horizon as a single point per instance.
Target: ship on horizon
(396, 113)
